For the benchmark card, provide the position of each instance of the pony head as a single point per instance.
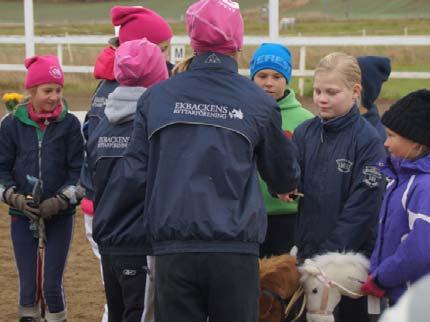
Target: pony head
(279, 280)
(327, 277)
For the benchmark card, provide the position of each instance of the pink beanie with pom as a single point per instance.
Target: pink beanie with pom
(43, 70)
(215, 25)
(139, 22)
(139, 63)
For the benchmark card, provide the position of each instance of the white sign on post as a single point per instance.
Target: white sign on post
(177, 53)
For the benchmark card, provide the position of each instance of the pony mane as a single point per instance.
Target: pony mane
(348, 269)
(274, 264)
(280, 274)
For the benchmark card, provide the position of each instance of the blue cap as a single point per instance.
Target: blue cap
(272, 56)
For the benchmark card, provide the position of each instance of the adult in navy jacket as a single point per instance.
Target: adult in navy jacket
(199, 140)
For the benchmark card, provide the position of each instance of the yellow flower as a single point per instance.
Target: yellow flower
(12, 96)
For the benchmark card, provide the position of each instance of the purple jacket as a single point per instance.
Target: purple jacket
(402, 250)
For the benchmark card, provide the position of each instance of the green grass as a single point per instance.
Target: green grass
(359, 9)
(73, 12)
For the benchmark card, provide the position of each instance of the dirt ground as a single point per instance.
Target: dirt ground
(82, 284)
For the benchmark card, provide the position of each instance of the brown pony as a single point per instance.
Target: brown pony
(279, 280)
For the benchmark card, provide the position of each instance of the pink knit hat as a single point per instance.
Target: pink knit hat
(215, 25)
(139, 22)
(43, 70)
(139, 63)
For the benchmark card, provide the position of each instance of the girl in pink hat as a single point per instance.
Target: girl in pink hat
(42, 154)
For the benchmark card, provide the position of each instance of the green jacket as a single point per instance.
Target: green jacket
(293, 114)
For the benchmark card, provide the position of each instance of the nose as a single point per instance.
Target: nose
(268, 83)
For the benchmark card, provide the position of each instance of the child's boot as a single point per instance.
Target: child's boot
(29, 314)
(56, 317)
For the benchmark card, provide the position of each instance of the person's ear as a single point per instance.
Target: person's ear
(356, 92)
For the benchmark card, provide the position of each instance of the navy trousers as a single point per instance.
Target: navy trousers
(59, 235)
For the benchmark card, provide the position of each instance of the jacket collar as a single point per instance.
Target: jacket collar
(289, 100)
(396, 167)
(214, 61)
(21, 113)
(339, 123)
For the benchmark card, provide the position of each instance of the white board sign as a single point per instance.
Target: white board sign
(177, 53)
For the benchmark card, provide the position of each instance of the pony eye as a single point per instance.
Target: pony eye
(315, 291)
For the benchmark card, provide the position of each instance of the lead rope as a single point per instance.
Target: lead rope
(296, 296)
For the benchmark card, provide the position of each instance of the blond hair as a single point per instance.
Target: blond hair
(346, 65)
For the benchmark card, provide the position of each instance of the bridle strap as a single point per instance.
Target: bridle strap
(279, 299)
(286, 309)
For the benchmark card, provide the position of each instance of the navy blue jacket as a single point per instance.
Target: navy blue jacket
(92, 119)
(54, 155)
(198, 140)
(372, 116)
(117, 232)
(342, 186)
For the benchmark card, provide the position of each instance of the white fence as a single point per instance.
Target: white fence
(302, 42)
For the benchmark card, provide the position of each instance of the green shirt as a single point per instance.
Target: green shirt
(293, 114)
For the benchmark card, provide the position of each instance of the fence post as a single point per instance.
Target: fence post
(60, 54)
(274, 19)
(29, 28)
(302, 68)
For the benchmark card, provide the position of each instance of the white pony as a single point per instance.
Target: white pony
(327, 277)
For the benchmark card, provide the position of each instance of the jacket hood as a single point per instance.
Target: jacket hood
(122, 102)
(375, 70)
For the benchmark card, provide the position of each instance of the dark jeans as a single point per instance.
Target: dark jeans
(352, 310)
(191, 287)
(58, 231)
(279, 236)
(125, 279)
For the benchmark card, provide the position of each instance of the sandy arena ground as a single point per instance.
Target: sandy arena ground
(82, 283)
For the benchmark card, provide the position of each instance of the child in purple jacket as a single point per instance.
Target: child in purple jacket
(402, 251)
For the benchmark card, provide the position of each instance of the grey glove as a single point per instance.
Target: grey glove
(52, 206)
(19, 201)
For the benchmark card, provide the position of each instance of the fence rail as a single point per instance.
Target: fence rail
(302, 42)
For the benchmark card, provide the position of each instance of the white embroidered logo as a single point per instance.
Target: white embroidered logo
(344, 165)
(99, 101)
(113, 142)
(129, 272)
(236, 114)
(213, 59)
(208, 110)
(372, 176)
(55, 72)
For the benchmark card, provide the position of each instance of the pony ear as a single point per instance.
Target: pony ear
(309, 268)
(294, 250)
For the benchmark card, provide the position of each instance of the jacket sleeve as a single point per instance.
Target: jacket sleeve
(411, 259)
(360, 212)
(85, 179)
(7, 155)
(125, 189)
(75, 152)
(276, 157)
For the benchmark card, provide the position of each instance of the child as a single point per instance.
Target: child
(401, 255)
(271, 70)
(139, 64)
(337, 152)
(134, 23)
(375, 70)
(42, 140)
